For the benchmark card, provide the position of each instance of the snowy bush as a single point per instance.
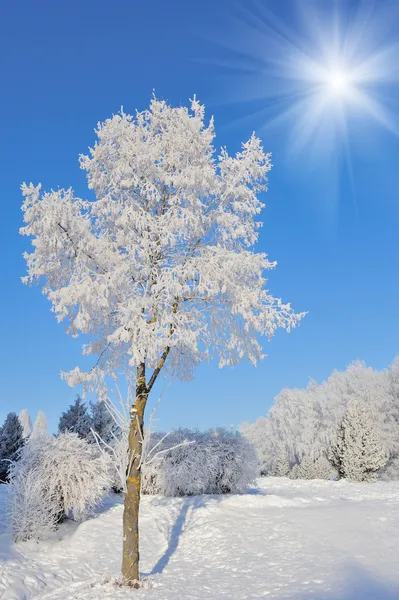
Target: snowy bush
(56, 477)
(236, 465)
(213, 462)
(30, 506)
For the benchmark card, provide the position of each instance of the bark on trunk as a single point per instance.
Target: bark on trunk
(130, 561)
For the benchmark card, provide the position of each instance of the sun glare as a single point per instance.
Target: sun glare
(338, 81)
(319, 76)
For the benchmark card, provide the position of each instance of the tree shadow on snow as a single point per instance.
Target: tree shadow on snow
(185, 519)
(356, 583)
(255, 492)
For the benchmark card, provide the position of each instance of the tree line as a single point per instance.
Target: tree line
(346, 426)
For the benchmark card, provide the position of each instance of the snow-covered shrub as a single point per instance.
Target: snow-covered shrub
(68, 478)
(212, 462)
(236, 464)
(30, 507)
(175, 464)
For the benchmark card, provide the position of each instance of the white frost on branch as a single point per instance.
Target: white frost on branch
(116, 449)
(54, 478)
(216, 462)
(161, 261)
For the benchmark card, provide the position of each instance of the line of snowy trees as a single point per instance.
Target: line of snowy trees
(347, 426)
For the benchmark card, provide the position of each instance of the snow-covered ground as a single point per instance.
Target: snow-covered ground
(296, 540)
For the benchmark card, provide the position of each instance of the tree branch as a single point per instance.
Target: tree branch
(74, 248)
(158, 368)
(165, 353)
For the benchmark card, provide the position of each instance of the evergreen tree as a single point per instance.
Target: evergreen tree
(336, 450)
(76, 419)
(323, 469)
(294, 472)
(102, 422)
(364, 453)
(11, 441)
(26, 423)
(306, 468)
(40, 429)
(281, 466)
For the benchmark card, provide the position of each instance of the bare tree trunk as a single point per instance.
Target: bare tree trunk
(130, 561)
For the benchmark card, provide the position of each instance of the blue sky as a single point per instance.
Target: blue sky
(332, 211)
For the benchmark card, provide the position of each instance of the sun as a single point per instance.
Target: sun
(319, 77)
(338, 82)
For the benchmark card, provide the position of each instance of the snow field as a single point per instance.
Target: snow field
(293, 540)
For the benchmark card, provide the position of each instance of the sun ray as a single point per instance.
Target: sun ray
(339, 69)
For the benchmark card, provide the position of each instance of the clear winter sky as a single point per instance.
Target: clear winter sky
(332, 211)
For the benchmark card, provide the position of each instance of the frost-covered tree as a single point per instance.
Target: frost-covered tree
(76, 419)
(11, 441)
(391, 470)
(102, 422)
(40, 428)
(309, 468)
(261, 438)
(26, 423)
(281, 467)
(391, 409)
(158, 271)
(336, 447)
(56, 477)
(323, 470)
(307, 421)
(305, 469)
(363, 451)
